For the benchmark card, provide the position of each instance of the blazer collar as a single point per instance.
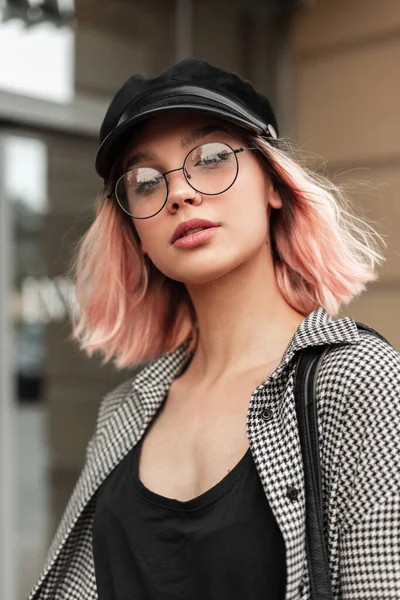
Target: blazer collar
(319, 328)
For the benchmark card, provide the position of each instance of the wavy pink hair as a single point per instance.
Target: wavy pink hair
(129, 311)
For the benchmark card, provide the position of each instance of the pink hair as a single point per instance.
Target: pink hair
(129, 311)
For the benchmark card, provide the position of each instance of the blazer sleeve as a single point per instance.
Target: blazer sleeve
(370, 532)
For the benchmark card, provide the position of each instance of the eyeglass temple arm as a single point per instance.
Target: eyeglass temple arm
(241, 149)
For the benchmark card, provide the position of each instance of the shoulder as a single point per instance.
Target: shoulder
(360, 408)
(368, 370)
(363, 379)
(376, 368)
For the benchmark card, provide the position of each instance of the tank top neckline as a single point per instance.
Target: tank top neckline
(208, 497)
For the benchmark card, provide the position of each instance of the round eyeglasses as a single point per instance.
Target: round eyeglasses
(210, 169)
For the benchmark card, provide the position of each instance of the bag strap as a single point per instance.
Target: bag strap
(305, 384)
(317, 557)
(362, 327)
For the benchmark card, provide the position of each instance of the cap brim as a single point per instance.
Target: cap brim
(117, 140)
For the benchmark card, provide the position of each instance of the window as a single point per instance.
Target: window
(37, 57)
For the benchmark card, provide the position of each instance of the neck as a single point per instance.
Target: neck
(244, 322)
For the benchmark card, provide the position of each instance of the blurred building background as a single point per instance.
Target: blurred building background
(331, 70)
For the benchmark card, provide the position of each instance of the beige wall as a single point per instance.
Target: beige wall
(347, 111)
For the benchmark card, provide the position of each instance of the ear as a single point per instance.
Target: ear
(274, 198)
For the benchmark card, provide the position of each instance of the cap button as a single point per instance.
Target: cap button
(272, 132)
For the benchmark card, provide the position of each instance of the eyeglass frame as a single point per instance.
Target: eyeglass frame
(185, 174)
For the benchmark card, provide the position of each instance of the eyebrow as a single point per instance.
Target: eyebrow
(187, 140)
(198, 134)
(140, 157)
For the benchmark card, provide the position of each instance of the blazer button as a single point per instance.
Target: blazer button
(266, 414)
(292, 493)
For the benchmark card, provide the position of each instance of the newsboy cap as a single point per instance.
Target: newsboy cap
(192, 84)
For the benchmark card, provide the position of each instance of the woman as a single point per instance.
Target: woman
(217, 257)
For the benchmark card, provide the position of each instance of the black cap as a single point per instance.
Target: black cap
(192, 83)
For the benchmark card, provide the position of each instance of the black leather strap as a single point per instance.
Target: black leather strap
(306, 409)
(145, 101)
(367, 328)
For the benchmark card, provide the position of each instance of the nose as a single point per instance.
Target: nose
(180, 192)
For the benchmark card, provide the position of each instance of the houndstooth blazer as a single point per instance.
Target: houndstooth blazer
(359, 427)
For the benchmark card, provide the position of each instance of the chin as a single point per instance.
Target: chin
(210, 266)
(195, 278)
(202, 274)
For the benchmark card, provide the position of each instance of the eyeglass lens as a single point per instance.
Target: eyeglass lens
(210, 169)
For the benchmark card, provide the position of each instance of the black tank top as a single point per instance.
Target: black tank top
(222, 545)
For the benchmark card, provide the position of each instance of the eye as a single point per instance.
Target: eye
(143, 181)
(215, 159)
(212, 159)
(147, 186)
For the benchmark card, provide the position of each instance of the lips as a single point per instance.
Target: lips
(190, 226)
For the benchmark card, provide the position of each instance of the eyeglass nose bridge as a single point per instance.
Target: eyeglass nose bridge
(186, 175)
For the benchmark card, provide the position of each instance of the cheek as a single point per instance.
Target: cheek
(155, 244)
(249, 229)
(248, 208)
(149, 235)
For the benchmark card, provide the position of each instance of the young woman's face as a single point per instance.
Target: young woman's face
(239, 215)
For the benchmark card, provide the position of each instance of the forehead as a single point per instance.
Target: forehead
(177, 126)
(182, 129)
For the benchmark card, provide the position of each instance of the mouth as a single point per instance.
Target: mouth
(194, 239)
(190, 227)
(192, 231)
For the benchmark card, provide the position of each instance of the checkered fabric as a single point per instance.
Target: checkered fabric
(359, 427)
